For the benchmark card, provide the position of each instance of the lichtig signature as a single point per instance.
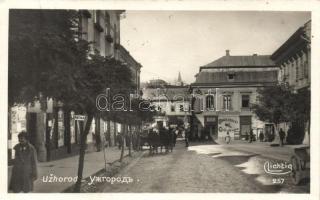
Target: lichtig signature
(277, 168)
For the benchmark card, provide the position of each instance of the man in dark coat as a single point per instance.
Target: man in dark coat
(282, 135)
(250, 136)
(24, 170)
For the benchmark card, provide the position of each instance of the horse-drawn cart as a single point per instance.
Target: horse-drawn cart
(156, 138)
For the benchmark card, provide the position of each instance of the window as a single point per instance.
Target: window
(306, 68)
(245, 101)
(297, 70)
(231, 76)
(85, 28)
(227, 102)
(181, 108)
(172, 108)
(97, 40)
(96, 16)
(107, 23)
(210, 102)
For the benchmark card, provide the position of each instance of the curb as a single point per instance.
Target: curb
(113, 168)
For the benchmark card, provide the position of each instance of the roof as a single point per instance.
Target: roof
(240, 77)
(294, 43)
(241, 61)
(127, 57)
(168, 93)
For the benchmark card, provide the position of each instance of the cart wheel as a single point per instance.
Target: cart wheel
(296, 170)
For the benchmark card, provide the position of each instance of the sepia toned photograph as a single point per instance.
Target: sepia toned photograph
(159, 101)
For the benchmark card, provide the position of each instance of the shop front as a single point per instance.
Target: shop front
(228, 124)
(245, 127)
(210, 130)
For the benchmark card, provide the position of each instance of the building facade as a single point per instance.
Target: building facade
(54, 132)
(171, 102)
(293, 58)
(223, 93)
(134, 66)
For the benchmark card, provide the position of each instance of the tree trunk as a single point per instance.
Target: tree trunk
(82, 152)
(130, 139)
(55, 128)
(67, 132)
(97, 133)
(122, 143)
(115, 133)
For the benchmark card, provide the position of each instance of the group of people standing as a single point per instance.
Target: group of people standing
(282, 136)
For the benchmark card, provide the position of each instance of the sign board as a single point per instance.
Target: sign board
(80, 117)
(228, 124)
(210, 120)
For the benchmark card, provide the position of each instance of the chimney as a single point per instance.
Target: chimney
(227, 52)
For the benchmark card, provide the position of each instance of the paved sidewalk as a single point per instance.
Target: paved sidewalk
(68, 167)
(263, 148)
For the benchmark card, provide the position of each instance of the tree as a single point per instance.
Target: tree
(133, 115)
(271, 104)
(47, 58)
(279, 104)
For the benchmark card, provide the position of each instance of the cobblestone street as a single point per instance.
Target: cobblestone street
(202, 168)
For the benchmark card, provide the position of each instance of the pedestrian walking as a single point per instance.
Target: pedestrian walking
(282, 135)
(175, 135)
(24, 171)
(98, 141)
(228, 138)
(107, 139)
(250, 136)
(186, 137)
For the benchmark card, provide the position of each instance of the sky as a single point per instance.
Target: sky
(169, 42)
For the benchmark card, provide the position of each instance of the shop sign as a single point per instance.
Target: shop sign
(210, 120)
(230, 124)
(80, 117)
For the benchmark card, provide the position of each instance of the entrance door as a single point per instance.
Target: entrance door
(245, 126)
(212, 131)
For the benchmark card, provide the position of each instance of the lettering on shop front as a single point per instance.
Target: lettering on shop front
(228, 124)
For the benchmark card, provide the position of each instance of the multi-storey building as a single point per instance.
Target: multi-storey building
(223, 93)
(46, 119)
(135, 66)
(172, 102)
(294, 59)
